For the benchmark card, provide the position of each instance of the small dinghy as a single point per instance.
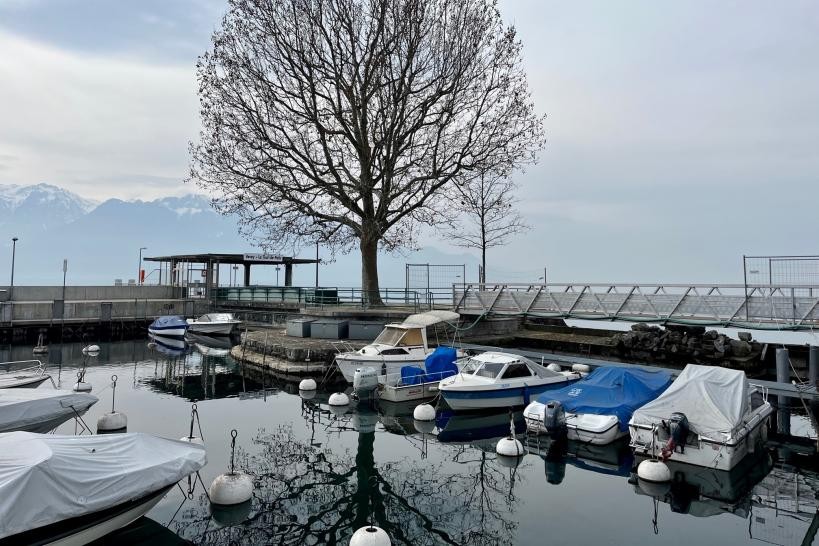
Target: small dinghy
(170, 326)
(75, 489)
(500, 380)
(22, 373)
(214, 324)
(708, 417)
(417, 383)
(39, 410)
(597, 408)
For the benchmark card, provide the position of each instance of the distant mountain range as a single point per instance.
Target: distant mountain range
(101, 240)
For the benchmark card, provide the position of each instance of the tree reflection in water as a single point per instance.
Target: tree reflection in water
(310, 494)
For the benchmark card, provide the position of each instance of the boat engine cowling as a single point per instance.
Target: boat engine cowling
(365, 380)
(678, 428)
(554, 417)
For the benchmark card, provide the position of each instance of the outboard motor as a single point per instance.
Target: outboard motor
(554, 417)
(678, 428)
(365, 381)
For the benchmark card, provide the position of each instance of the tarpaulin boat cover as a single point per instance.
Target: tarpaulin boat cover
(714, 400)
(611, 390)
(440, 364)
(24, 408)
(45, 479)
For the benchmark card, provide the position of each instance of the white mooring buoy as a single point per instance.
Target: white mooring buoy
(554, 367)
(113, 421)
(581, 368)
(424, 412)
(339, 399)
(81, 385)
(234, 487)
(370, 536)
(510, 446)
(307, 395)
(424, 427)
(307, 385)
(652, 470)
(191, 437)
(92, 350)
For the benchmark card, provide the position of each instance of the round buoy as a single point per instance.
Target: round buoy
(111, 422)
(231, 488)
(227, 516)
(339, 399)
(307, 385)
(82, 386)
(307, 395)
(91, 350)
(554, 367)
(509, 447)
(581, 368)
(424, 427)
(423, 412)
(370, 536)
(193, 440)
(654, 489)
(652, 470)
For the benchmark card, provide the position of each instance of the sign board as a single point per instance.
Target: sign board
(263, 258)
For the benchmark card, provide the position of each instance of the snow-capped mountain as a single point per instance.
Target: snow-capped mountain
(40, 207)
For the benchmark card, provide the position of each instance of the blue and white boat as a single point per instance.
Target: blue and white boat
(170, 326)
(500, 380)
(597, 408)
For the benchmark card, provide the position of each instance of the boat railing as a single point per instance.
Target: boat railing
(23, 366)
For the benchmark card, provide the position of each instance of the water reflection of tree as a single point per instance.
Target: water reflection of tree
(309, 494)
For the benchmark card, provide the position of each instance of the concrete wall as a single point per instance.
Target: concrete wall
(92, 311)
(83, 293)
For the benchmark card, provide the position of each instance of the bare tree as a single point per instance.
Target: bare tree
(487, 215)
(345, 120)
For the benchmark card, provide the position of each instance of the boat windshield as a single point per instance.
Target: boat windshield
(399, 337)
(482, 369)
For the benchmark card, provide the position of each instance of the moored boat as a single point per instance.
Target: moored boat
(416, 383)
(169, 326)
(41, 410)
(22, 373)
(597, 408)
(709, 416)
(398, 345)
(214, 324)
(500, 380)
(71, 490)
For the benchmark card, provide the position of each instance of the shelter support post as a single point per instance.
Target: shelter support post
(247, 275)
(783, 375)
(288, 274)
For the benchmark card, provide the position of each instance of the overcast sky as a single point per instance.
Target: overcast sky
(681, 134)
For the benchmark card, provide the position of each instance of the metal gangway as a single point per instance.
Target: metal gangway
(784, 307)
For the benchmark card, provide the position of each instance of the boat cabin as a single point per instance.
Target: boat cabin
(398, 339)
(504, 366)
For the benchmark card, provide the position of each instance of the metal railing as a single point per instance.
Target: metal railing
(332, 296)
(786, 307)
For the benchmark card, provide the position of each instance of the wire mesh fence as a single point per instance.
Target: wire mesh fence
(801, 271)
(433, 282)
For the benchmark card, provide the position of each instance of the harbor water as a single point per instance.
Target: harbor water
(319, 474)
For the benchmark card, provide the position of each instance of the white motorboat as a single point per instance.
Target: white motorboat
(22, 373)
(72, 490)
(40, 410)
(500, 380)
(396, 346)
(709, 417)
(214, 324)
(597, 408)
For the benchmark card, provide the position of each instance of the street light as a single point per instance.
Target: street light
(277, 275)
(13, 252)
(139, 269)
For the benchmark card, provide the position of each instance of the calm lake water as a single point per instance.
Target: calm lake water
(320, 476)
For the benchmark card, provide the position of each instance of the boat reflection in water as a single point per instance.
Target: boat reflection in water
(613, 459)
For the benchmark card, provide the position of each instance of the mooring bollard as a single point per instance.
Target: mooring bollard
(783, 375)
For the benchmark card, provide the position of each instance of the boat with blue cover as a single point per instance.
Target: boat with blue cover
(419, 383)
(169, 326)
(597, 408)
(500, 380)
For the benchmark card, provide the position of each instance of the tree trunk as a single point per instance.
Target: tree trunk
(369, 272)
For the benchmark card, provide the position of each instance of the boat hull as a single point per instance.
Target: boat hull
(407, 393)
(584, 427)
(349, 364)
(174, 332)
(22, 381)
(84, 529)
(479, 399)
(707, 452)
(212, 328)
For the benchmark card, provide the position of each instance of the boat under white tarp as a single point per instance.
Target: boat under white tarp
(40, 410)
(715, 400)
(46, 479)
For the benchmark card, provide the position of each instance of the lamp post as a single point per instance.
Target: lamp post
(139, 269)
(277, 275)
(13, 252)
